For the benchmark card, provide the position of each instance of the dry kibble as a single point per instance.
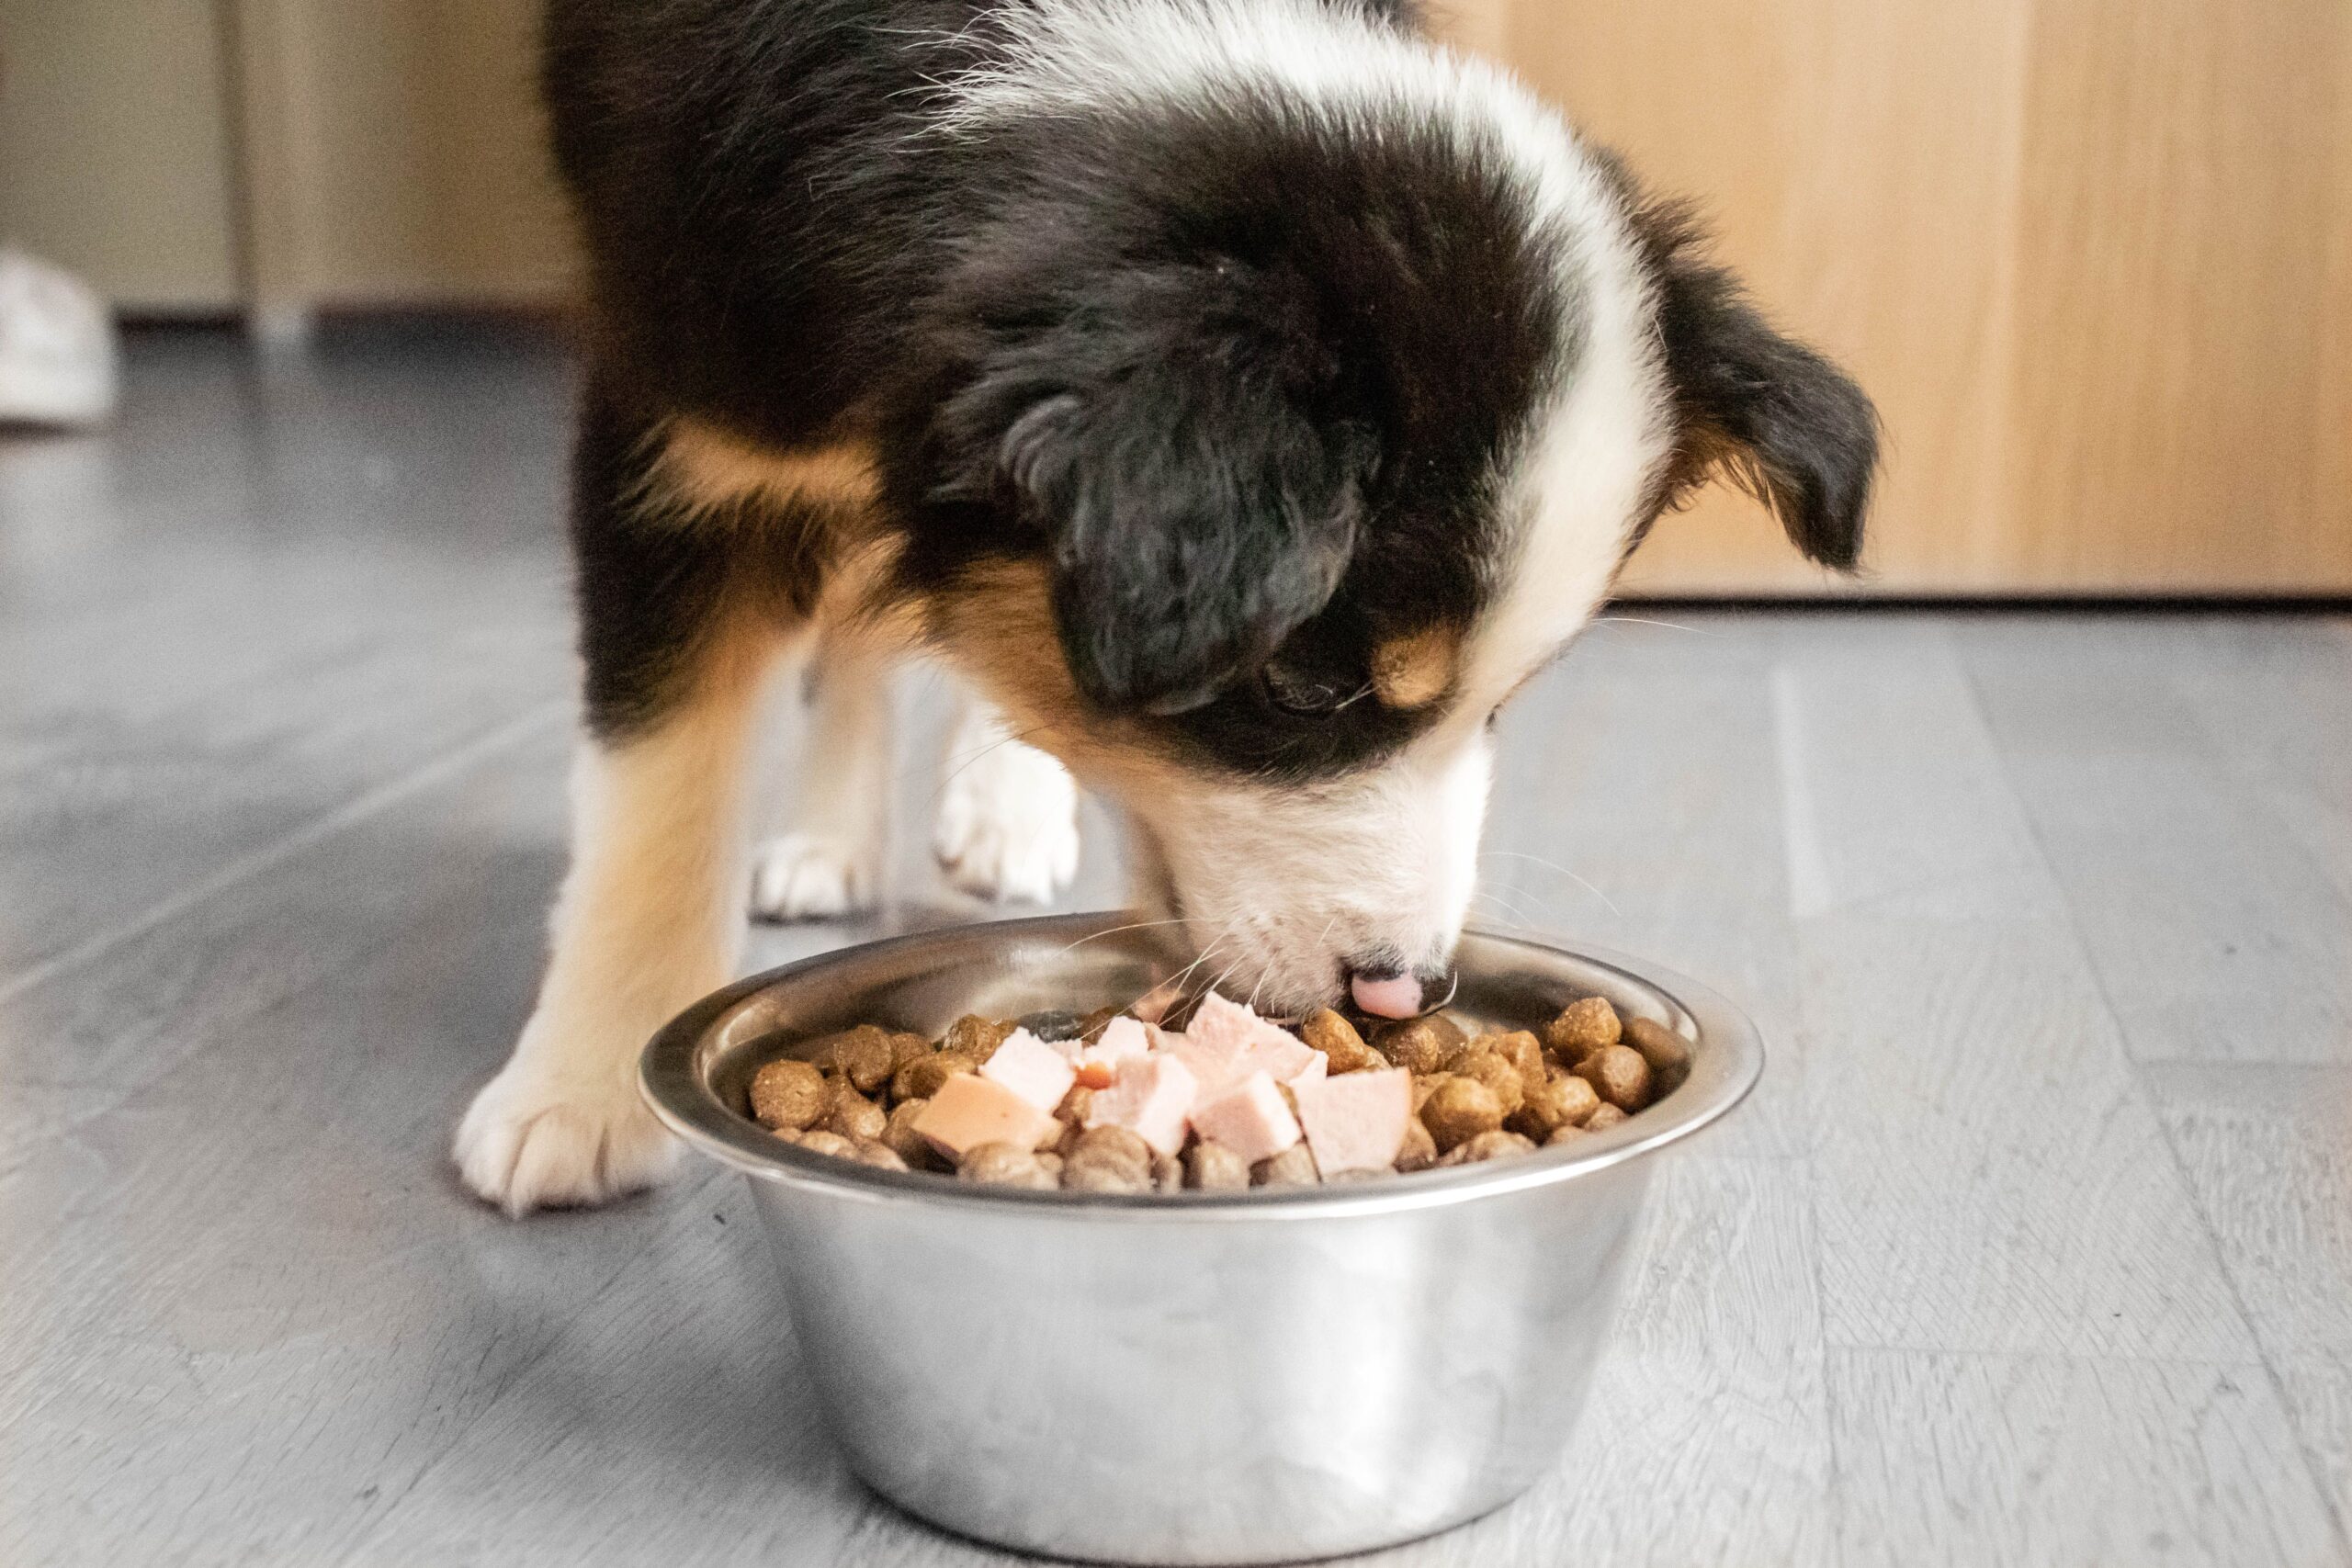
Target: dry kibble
(788, 1094)
(1563, 1099)
(972, 1035)
(1294, 1166)
(1212, 1168)
(819, 1142)
(1005, 1164)
(1487, 1147)
(851, 1114)
(1620, 1074)
(1522, 1050)
(856, 1094)
(1459, 1110)
(871, 1152)
(1497, 1074)
(1337, 1038)
(901, 1134)
(1583, 1027)
(1419, 1044)
(1667, 1053)
(921, 1079)
(905, 1048)
(1084, 1172)
(861, 1054)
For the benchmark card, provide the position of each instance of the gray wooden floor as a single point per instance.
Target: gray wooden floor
(2035, 1247)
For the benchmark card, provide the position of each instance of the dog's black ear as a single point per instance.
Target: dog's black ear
(1758, 408)
(1180, 442)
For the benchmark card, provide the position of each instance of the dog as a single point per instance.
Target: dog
(1245, 397)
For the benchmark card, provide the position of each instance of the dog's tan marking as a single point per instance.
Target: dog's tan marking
(704, 470)
(1411, 672)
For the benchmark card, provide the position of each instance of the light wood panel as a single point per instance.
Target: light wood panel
(2091, 256)
(115, 147)
(395, 154)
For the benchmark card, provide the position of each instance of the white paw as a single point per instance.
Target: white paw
(533, 1140)
(814, 876)
(1008, 825)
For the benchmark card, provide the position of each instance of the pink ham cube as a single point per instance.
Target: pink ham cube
(1098, 1064)
(1150, 1096)
(1314, 1072)
(1226, 1043)
(1251, 1117)
(1031, 1068)
(1355, 1121)
(969, 1111)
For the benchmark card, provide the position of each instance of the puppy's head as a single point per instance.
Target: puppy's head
(1272, 447)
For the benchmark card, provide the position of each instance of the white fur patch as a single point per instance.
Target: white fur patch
(1007, 815)
(827, 859)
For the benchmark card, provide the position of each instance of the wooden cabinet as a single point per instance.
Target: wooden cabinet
(2092, 257)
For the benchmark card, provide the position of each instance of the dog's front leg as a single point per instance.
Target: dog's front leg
(827, 861)
(650, 916)
(1008, 813)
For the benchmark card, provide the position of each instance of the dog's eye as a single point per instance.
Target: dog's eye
(1307, 694)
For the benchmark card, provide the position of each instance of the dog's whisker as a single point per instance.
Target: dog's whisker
(1645, 621)
(1564, 871)
(1115, 930)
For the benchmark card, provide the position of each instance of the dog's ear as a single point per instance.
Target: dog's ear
(1181, 447)
(1761, 409)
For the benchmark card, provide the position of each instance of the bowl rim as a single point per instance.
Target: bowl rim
(1722, 1072)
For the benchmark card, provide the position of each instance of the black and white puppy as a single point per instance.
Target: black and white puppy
(1245, 396)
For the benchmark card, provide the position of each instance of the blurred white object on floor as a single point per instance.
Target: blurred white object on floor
(57, 349)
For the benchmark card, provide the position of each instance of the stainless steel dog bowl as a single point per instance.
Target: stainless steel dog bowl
(1200, 1378)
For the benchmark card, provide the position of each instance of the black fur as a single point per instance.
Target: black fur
(1238, 378)
(1764, 411)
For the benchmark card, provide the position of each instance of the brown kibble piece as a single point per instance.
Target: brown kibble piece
(1583, 1027)
(1492, 1069)
(861, 1054)
(820, 1142)
(1419, 1151)
(1419, 1044)
(1337, 1038)
(788, 1094)
(1620, 1074)
(1092, 1170)
(1487, 1147)
(1294, 1166)
(1459, 1110)
(1212, 1168)
(921, 1079)
(1565, 1134)
(1005, 1164)
(973, 1035)
(1522, 1050)
(1563, 1099)
(1074, 1105)
(1167, 1172)
(910, 1145)
(851, 1114)
(1600, 1121)
(1052, 1163)
(1095, 1023)
(1667, 1053)
(872, 1151)
(905, 1048)
(1117, 1144)
(1425, 1084)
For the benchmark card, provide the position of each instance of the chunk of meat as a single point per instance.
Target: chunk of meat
(1151, 1097)
(970, 1110)
(1355, 1121)
(1030, 1068)
(1251, 1118)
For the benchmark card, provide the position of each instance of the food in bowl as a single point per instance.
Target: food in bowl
(1115, 1102)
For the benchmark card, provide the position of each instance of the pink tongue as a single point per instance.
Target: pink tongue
(1400, 997)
